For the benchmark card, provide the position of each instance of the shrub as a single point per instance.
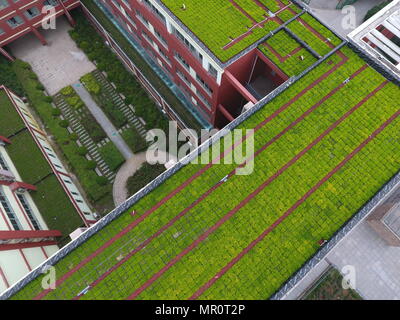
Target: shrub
(101, 180)
(111, 156)
(91, 165)
(56, 112)
(74, 136)
(91, 84)
(63, 123)
(48, 99)
(82, 151)
(143, 176)
(67, 91)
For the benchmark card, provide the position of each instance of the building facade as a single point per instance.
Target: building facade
(17, 18)
(25, 238)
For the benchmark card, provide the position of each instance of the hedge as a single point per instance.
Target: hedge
(143, 176)
(111, 155)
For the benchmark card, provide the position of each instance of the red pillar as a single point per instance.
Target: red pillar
(6, 54)
(242, 90)
(226, 113)
(68, 15)
(39, 36)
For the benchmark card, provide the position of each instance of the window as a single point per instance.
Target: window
(3, 164)
(32, 13)
(15, 21)
(29, 211)
(3, 4)
(9, 211)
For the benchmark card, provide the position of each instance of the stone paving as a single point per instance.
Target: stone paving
(336, 19)
(377, 265)
(60, 63)
(104, 122)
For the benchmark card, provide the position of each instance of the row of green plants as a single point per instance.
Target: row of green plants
(238, 231)
(94, 186)
(321, 47)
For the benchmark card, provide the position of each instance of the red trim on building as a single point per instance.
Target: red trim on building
(29, 234)
(3, 276)
(20, 246)
(25, 259)
(17, 185)
(5, 140)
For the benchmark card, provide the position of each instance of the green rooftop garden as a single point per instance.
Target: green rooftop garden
(10, 123)
(227, 29)
(324, 147)
(26, 155)
(56, 208)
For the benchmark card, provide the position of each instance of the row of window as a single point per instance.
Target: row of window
(165, 59)
(12, 217)
(30, 13)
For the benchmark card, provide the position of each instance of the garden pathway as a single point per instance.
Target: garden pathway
(120, 193)
(104, 122)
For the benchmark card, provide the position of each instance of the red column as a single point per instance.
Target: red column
(69, 17)
(242, 90)
(39, 36)
(226, 113)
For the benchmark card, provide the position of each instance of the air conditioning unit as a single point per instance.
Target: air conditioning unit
(6, 175)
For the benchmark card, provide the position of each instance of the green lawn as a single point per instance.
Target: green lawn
(279, 253)
(26, 155)
(55, 207)
(10, 122)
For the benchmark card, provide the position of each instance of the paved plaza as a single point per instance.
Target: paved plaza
(58, 64)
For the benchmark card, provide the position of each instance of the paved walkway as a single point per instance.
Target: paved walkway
(60, 63)
(120, 193)
(104, 122)
(376, 264)
(325, 10)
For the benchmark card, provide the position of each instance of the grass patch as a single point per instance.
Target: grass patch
(10, 121)
(27, 158)
(56, 208)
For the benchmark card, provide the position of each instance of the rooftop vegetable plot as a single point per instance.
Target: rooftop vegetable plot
(229, 26)
(190, 238)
